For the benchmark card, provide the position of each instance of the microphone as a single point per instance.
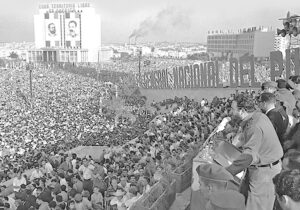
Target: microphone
(219, 128)
(223, 124)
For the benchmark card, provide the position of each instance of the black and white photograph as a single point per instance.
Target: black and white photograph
(149, 105)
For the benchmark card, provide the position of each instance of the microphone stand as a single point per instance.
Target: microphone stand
(209, 138)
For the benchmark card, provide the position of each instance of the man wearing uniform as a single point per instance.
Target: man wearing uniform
(267, 103)
(226, 200)
(212, 178)
(261, 155)
(271, 87)
(285, 96)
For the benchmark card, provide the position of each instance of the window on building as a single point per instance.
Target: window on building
(77, 44)
(56, 43)
(47, 43)
(68, 44)
(46, 15)
(40, 56)
(75, 56)
(55, 15)
(67, 56)
(62, 56)
(67, 15)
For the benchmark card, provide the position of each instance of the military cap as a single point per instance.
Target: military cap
(245, 101)
(227, 200)
(214, 172)
(269, 84)
(78, 197)
(296, 94)
(281, 83)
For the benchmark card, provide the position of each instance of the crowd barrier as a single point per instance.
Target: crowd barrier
(160, 197)
(220, 152)
(174, 182)
(183, 176)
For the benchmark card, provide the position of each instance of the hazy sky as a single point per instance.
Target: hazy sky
(190, 21)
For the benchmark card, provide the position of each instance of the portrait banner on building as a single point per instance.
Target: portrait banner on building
(52, 29)
(72, 29)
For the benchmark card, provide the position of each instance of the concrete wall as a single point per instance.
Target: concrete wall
(197, 94)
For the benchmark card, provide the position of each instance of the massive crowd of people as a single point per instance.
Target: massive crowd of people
(37, 133)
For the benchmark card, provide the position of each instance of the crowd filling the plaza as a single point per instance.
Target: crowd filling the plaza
(65, 112)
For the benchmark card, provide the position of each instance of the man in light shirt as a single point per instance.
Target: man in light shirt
(47, 167)
(37, 173)
(133, 196)
(18, 181)
(124, 184)
(86, 173)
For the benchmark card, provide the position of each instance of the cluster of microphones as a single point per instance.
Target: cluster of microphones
(291, 26)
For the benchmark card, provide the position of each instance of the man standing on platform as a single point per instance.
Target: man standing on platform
(267, 103)
(271, 87)
(260, 157)
(211, 178)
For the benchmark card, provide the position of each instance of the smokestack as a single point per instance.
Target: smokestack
(166, 19)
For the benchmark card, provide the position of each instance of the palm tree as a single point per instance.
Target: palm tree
(13, 55)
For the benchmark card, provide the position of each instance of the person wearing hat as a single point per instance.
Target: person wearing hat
(212, 177)
(85, 200)
(285, 96)
(287, 189)
(78, 201)
(226, 200)
(132, 197)
(118, 200)
(267, 103)
(269, 87)
(261, 154)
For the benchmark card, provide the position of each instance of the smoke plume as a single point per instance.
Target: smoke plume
(170, 18)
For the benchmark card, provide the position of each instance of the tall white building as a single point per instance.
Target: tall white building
(66, 32)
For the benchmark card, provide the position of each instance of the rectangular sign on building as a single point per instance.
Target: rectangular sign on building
(72, 29)
(52, 29)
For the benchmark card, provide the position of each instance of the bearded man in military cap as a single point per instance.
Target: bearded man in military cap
(261, 155)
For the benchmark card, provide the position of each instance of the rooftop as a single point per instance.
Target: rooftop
(240, 31)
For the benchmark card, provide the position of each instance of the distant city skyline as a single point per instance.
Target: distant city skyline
(154, 20)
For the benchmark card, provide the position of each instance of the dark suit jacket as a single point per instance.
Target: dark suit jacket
(294, 135)
(278, 122)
